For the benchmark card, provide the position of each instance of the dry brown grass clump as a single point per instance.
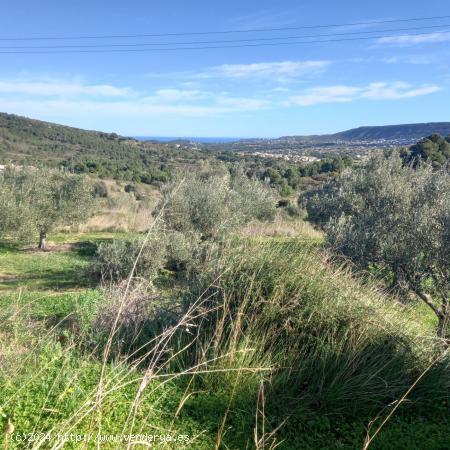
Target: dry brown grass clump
(124, 211)
(283, 228)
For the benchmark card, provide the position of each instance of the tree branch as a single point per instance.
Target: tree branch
(427, 299)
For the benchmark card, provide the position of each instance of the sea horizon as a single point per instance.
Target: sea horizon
(200, 139)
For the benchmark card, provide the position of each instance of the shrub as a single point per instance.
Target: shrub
(435, 149)
(131, 311)
(181, 251)
(295, 212)
(100, 189)
(319, 202)
(114, 260)
(132, 188)
(253, 200)
(283, 203)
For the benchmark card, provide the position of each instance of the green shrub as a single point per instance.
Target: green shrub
(181, 251)
(100, 189)
(132, 188)
(434, 149)
(253, 199)
(115, 260)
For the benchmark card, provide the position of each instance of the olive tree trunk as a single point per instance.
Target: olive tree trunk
(443, 328)
(42, 240)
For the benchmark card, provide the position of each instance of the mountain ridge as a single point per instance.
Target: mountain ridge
(412, 131)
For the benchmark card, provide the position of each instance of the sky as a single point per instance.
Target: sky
(400, 75)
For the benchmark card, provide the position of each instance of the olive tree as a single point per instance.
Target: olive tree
(209, 206)
(397, 217)
(35, 201)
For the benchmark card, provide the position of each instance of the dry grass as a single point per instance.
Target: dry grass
(281, 228)
(121, 211)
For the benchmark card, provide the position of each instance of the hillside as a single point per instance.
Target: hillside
(403, 133)
(224, 316)
(409, 131)
(356, 142)
(24, 140)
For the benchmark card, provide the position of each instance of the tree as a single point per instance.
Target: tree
(35, 201)
(398, 218)
(209, 205)
(434, 149)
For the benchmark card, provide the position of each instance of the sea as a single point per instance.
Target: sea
(202, 140)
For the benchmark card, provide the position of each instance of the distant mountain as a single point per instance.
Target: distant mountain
(406, 133)
(29, 141)
(184, 140)
(413, 131)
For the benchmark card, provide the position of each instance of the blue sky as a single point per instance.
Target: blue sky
(239, 92)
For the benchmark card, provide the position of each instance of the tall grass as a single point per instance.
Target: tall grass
(267, 340)
(334, 345)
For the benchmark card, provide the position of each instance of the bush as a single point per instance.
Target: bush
(295, 212)
(181, 251)
(100, 189)
(318, 202)
(253, 199)
(132, 311)
(283, 203)
(132, 188)
(435, 149)
(114, 260)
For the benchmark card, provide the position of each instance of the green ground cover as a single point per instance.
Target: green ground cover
(49, 370)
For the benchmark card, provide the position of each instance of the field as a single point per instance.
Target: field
(50, 371)
(224, 307)
(188, 262)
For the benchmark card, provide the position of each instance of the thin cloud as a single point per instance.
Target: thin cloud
(374, 91)
(412, 59)
(246, 104)
(265, 18)
(396, 91)
(124, 109)
(409, 40)
(181, 94)
(283, 69)
(329, 94)
(280, 71)
(71, 98)
(64, 96)
(61, 88)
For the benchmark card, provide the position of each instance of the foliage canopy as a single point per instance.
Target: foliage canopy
(35, 201)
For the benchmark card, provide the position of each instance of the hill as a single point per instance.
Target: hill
(406, 133)
(356, 142)
(409, 131)
(24, 140)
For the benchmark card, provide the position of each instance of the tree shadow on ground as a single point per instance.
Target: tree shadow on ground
(9, 247)
(60, 267)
